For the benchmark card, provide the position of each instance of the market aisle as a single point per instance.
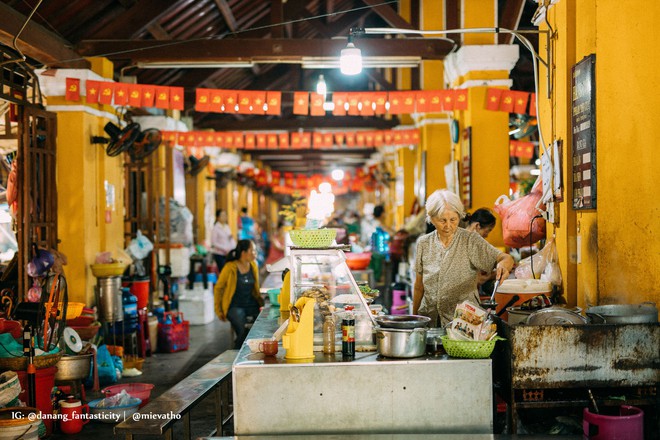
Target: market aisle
(166, 369)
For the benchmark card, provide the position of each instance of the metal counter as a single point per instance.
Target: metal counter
(370, 394)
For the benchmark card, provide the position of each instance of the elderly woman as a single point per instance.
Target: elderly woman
(449, 259)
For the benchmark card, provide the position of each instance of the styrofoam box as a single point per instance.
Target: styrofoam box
(179, 261)
(197, 309)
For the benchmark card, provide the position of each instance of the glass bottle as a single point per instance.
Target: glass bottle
(348, 333)
(329, 335)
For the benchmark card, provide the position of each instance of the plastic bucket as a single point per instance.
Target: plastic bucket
(140, 288)
(44, 383)
(628, 425)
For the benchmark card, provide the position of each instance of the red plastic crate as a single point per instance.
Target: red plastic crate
(175, 336)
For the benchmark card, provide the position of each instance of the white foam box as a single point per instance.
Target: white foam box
(196, 308)
(179, 261)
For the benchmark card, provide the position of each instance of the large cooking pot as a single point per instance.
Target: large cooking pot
(519, 316)
(401, 343)
(402, 321)
(74, 367)
(644, 313)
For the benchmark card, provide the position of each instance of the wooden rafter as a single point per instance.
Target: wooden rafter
(227, 14)
(388, 14)
(510, 19)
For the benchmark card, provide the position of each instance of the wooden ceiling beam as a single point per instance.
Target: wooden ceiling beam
(137, 18)
(227, 14)
(510, 19)
(37, 42)
(280, 50)
(388, 14)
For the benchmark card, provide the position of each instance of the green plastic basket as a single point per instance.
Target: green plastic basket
(469, 349)
(313, 238)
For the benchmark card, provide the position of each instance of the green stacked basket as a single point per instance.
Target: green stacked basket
(469, 349)
(313, 238)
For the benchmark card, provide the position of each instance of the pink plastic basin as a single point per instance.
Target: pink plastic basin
(628, 425)
(140, 390)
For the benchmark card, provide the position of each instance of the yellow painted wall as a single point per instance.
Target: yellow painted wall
(620, 249)
(478, 14)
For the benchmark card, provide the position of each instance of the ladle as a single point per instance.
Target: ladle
(497, 284)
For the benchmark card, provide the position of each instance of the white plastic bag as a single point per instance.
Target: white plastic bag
(140, 246)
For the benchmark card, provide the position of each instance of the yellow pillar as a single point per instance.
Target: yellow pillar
(83, 169)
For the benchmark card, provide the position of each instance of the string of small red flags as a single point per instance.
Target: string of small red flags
(511, 101)
(521, 149)
(269, 102)
(294, 140)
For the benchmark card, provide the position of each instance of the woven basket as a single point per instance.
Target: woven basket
(313, 238)
(19, 363)
(469, 349)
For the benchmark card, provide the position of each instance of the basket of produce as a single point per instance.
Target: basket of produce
(313, 238)
(469, 349)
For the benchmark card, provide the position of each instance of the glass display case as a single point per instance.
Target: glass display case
(322, 274)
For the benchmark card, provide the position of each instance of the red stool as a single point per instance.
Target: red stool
(143, 341)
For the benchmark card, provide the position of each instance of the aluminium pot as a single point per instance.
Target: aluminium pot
(645, 313)
(74, 367)
(401, 343)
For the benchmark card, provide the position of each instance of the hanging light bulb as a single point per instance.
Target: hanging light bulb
(350, 61)
(321, 87)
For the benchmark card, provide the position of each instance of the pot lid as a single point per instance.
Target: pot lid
(402, 321)
(555, 316)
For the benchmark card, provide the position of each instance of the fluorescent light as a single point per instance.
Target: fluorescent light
(338, 175)
(195, 65)
(350, 61)
(367, 62)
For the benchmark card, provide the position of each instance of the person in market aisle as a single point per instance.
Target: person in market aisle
(482, 221)
(222, 240)
(236, 293)
(277, 244)
(246, 226)
(449, 259)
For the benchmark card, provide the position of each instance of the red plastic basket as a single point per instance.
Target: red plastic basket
(140, 390)
(175, 336)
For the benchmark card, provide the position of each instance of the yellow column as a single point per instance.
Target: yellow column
(82, 171)
(479, 14)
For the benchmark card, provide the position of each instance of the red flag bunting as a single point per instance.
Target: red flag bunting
(520, 102)
(339, 139)
(72, 89)
(121, 94)
(448, 100)
(353, 103)
(107, 90)
(306, 140)
(300, 103)
(380, 99)
(135, 95)
(284, 140)
(506, 103)
(327, 140)
(317, 140)
(493, 98)
(93, 88)
(261, 140)
(368, 105)
(202, 100)
(295, 141)
(249, 141)
(316, 104)
(274, 103)
(176, 98)
(461, 99)
(162, 97)
(215, 101)
(422, 101)
(229, 101)
(532, 104)
(339, 100)
(148, 96)
(272, 141)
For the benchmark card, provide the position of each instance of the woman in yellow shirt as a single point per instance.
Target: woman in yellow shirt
(237, 296)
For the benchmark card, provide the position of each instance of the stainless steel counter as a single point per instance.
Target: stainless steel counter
(370, 394)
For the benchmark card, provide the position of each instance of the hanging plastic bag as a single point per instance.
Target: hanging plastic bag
(517, 215)
(552, 271)
(140, 246)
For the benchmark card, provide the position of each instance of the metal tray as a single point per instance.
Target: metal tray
(556, 316)
(403, 321)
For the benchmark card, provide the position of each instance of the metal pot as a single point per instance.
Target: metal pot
(644, 313)
(401, 343)
(402, 321)
(519, 316)
(74, 367)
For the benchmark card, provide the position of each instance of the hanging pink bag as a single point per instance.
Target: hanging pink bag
(517, 215)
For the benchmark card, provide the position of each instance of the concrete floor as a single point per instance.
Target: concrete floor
(164, 370)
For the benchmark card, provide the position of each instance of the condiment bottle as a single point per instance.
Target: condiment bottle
(348, 333)
(329, 335)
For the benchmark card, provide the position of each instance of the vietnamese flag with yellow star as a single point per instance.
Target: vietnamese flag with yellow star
(238, 140)
(380, 99)
(396, 101)
(317, 140)
(261, 140)
(229, 101)
(249, 141)
(271, 141)
(422, 101)
(532, 104)
(353, 100)
(274, 100)
(350, 138)
(72, 89)
(148, 96)
(284, 140)
(520, 102)
(300, 103)
(339, 138)
(448, 100)
(493, 97)
(176, 98)
(368, 104)
(121, 94)
(339, 100)
(93, 88)
(306, 139)
(295, 141)
(106, 93)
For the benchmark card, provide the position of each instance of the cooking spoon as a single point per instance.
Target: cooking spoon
(497, 284)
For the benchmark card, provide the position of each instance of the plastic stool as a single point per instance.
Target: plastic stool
(194, 261)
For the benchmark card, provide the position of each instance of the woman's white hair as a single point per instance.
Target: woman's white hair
(441, 200)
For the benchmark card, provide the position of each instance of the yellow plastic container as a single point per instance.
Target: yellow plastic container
(108, 270)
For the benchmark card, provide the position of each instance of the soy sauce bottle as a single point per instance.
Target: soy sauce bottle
(348, 333)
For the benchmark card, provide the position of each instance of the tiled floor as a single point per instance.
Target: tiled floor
(166, 369)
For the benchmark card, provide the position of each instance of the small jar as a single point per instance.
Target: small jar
(434, 342)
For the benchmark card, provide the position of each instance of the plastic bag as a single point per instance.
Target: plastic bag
(546, 265)
(140, 246)
(517, 215)
(552, 271)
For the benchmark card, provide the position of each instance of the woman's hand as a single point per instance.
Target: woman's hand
(504, 267)
(221, 316)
